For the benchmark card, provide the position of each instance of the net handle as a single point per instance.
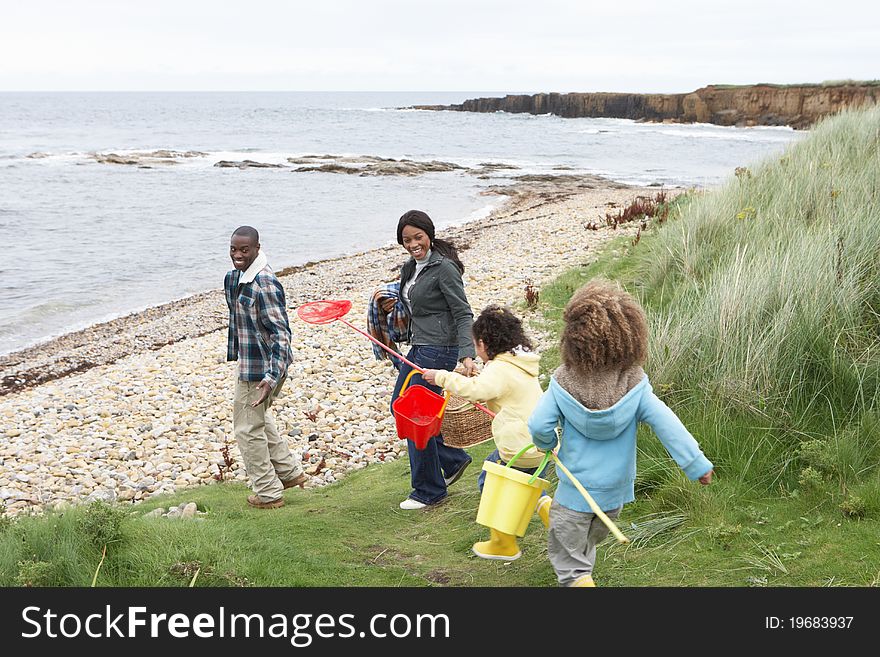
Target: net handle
(399, 356)
(392, 352)
(609, 523)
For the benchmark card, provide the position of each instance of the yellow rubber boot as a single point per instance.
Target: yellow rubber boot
(584, 581)
(500, 546)
(543, 509)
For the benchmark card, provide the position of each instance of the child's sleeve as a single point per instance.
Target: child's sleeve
(544, 420)
(677, 440)
(488, 385)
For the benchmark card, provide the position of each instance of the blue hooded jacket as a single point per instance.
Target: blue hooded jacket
(599, 447)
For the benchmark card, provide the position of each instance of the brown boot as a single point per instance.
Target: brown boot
(254, 501)
(299, 480)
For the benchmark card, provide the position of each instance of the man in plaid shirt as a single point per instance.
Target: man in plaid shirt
(259, 339)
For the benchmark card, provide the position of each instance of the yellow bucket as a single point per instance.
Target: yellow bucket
(509, 497)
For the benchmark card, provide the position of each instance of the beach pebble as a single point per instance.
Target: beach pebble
(106, 495)
(156, 412)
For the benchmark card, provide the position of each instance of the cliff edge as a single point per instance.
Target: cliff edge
(798, 106)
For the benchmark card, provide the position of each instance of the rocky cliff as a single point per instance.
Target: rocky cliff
(798, 106)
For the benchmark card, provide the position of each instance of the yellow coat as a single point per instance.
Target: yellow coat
(509, 386)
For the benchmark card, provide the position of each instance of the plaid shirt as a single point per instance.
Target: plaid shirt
(259, 331)
(387, 328)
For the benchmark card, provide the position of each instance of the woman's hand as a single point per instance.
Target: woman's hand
(469, 368)
(706, 479)
(387, 304)
(430, 376)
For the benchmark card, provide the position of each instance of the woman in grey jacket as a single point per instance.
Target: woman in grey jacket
(441, 318)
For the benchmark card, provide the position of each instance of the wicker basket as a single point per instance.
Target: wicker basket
(465, 425)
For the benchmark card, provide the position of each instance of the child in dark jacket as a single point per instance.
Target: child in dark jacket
(599, 395)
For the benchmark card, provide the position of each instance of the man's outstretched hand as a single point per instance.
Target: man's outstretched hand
(265, 389)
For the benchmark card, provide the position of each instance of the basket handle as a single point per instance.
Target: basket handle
(406, 383)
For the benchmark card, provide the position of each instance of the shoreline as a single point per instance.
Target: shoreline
(155, 326)
(141, 405)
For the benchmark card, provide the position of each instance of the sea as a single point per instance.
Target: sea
(89, 237)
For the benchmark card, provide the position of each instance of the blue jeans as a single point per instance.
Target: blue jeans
(495, 457)
(429, 466)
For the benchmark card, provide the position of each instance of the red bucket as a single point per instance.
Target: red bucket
(418, 413)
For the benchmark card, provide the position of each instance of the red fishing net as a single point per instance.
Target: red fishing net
(323, 312)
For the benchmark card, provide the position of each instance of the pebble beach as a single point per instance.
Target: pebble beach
(142, 405)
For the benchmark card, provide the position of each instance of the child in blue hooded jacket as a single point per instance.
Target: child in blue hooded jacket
(599, 395)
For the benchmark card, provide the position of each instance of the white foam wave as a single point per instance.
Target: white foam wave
(740, 134)
(483, 212)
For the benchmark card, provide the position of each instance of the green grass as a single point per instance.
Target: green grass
(763, 300)
(824, 83)
(348, 534)
(352, 534)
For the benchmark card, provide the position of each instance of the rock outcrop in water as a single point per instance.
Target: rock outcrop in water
(144, 160)
(798, 106)
(246, 164)
(370, 165)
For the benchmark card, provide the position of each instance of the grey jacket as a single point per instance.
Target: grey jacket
(441, 314)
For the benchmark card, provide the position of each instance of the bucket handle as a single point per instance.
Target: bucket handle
(406, 383)
(540, 467)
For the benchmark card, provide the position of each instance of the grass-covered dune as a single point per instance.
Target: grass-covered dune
(765, 298)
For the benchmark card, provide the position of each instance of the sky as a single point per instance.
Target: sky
(646, 46)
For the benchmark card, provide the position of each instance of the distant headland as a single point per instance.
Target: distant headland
(797, 105)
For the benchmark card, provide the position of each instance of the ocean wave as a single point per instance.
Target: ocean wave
(724, 136)
(483, 212)
(374, 109)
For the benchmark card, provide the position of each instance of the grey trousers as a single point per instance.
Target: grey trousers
(572, 541)
(267, 458)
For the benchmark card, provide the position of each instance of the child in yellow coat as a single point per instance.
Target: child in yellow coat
(509, 386)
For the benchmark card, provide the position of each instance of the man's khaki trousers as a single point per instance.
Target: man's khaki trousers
(267, 458)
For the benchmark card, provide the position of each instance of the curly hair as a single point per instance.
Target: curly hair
(500, 330)
(605, 328)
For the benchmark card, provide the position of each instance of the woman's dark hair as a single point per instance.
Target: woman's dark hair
(500, 330)
(420, 220)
